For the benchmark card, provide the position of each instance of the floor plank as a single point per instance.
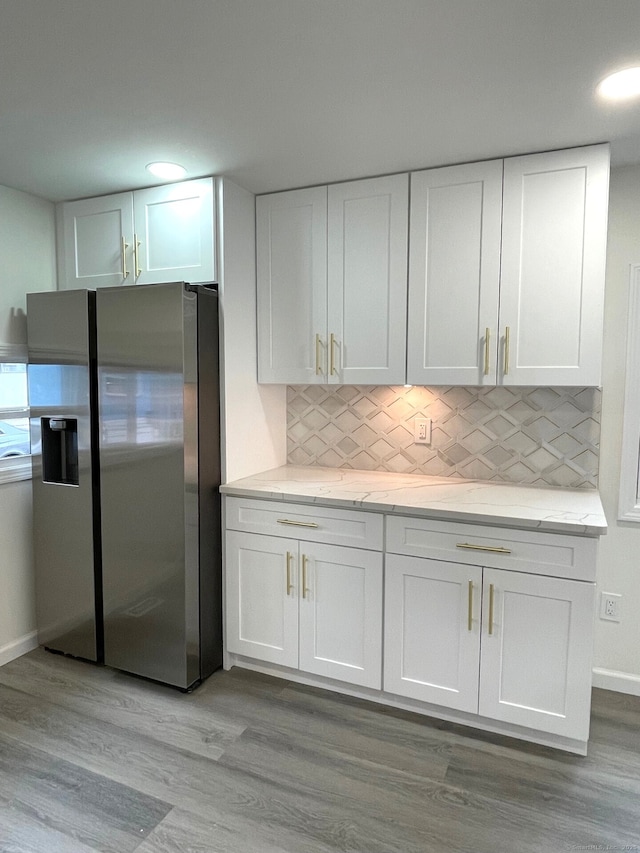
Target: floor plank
(87, 807)
(94, 761)
(140, 706)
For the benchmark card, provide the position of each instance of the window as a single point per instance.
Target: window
(15, 448)
(629, 502)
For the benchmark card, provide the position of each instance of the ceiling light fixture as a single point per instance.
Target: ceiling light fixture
(620, 85)
(167, 171)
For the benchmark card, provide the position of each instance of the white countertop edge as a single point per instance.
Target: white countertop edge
(265, 486)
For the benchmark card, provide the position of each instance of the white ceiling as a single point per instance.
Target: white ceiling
(285, 93)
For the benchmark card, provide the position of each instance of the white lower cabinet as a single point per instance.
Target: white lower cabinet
(431, 644)
(305, 605)
(489, 626)
(262, 616)
(535, 661)
(341, 613)
(509, 646)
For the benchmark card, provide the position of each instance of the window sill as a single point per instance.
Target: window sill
(15, 469)
(632, 514)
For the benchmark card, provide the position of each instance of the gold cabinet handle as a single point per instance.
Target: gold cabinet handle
(123, 251)
(289, 582)
(297, 523)
(470, 608)
(487, 338)
(318, 355)
(305, 588)
(136, 254)
(332, 344)
(507, 335)
(491, 548)
(491, 597)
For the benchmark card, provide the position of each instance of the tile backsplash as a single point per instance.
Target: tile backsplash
(543, 436)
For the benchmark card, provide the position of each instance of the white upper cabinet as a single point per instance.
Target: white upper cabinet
(95, 246)
(332, 281)
(291, 245)
(175, 232)
(454, 275)
(367, 281)
(506, 282)
(149, 236)
(554, 229)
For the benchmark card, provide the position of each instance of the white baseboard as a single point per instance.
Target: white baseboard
(18, 647)
(620, 682)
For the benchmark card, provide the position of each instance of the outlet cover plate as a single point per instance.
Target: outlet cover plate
(610, 606)
(422, 430)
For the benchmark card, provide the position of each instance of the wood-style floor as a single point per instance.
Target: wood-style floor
(94, 760)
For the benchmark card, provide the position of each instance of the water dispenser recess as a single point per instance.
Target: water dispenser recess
(60, 451)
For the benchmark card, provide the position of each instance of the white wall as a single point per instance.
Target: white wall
(27, 263)
(27, 258)
(17, 594)
(617, 648)
(254, 416)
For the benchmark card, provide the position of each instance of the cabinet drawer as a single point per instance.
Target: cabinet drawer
(554, 554)
(311, 523)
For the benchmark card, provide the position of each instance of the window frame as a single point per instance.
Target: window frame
(14, 468)
(629, 499)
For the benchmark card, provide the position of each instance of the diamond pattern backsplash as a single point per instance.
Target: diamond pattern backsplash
(544, 436)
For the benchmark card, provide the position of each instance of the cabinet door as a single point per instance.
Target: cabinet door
(341, 613)
(367, 280)
(291, 245)
(175, 232)
(553, 264)
(95, 242)
(432, 631)
(262, 597)
(536, 662)
(454, 274)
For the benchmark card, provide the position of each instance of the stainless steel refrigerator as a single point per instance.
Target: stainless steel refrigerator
(124, 395)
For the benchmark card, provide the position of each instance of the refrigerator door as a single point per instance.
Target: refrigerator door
(61, 342)
(148, 403)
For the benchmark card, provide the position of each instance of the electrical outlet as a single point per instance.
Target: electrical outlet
(422, 430)
(610, 606)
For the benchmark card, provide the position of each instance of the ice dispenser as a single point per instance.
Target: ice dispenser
(60, 450)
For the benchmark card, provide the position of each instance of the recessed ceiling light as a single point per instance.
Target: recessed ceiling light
(167, 171)
(621, 85)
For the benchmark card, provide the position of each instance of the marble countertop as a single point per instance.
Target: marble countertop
(577, 511)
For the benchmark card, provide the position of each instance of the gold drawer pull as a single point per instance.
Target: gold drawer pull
(123, 251)
(487, 337)
(507, 335)
(305, 588)
(289, 583)
(136, 255)
(297, 523)
(318, 356)
(491, 597)
(332, 345)
(490, 548)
